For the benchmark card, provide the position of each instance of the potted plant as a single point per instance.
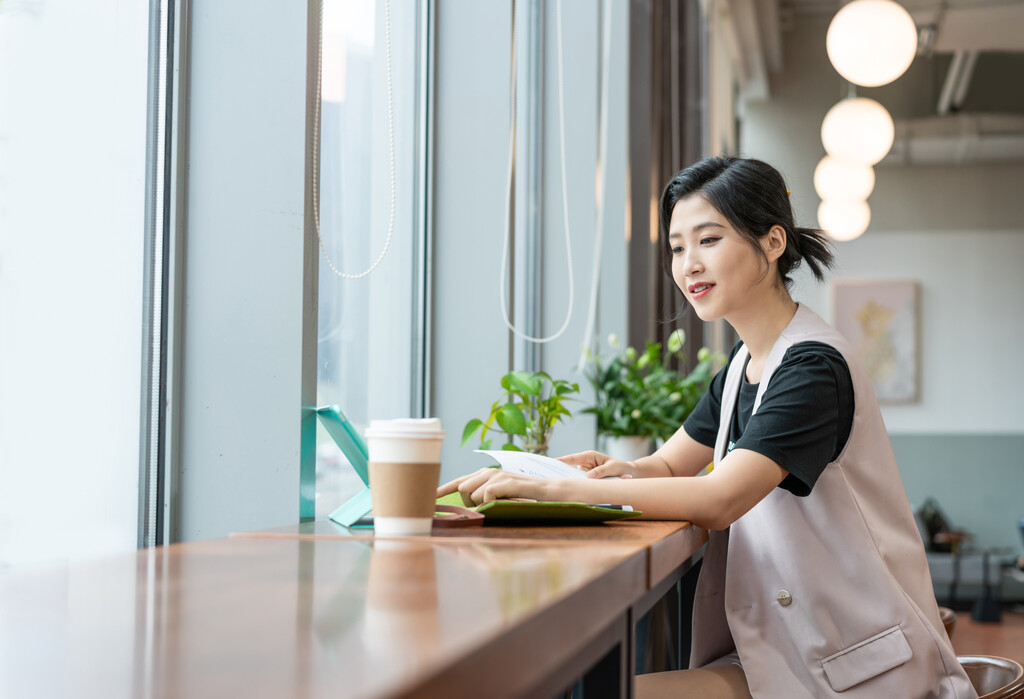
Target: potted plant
(639, 397)
(528, 409)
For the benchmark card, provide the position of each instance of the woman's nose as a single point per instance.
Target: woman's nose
(692, 263)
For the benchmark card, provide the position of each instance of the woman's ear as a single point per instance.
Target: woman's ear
(774, 244)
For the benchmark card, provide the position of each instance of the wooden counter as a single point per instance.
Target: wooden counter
(313, 612)
(667, 544)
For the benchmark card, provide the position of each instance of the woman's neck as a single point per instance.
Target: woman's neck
(760, 326)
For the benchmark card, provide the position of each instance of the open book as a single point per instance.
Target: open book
(539, 466)
(533, 464)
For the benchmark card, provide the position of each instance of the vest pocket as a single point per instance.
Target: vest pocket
(869, 658)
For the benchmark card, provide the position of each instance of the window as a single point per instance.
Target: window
(73, 84)
(370, 348)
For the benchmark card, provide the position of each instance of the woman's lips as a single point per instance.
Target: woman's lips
(699, 290)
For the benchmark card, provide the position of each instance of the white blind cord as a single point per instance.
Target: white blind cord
(391, 146)
(565, 189)
(602, 155)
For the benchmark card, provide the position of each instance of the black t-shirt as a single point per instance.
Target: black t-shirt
(804, 419)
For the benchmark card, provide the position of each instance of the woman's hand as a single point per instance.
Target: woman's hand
(489, 484)
(598, 465)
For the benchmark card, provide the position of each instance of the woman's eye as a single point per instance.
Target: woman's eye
(708, 240)
(677, 250)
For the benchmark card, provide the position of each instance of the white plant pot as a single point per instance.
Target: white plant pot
(627, 448)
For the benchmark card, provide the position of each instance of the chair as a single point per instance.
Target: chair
(994, 677)
(948, 617)
(952, 563)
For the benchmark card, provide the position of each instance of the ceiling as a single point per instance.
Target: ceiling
(975, 46)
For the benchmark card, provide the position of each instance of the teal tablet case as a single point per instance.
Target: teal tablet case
(354, 448)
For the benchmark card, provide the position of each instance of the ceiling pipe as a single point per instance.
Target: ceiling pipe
(957, 139)
(949, 86)
(966, 73)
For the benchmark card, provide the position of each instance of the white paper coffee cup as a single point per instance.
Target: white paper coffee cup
(405, 466)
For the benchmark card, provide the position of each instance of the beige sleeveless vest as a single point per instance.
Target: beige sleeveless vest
(827, 595)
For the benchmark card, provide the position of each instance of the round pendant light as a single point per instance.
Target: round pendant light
(858, 130)
(844, 220)
(871, 42)
(836, 179)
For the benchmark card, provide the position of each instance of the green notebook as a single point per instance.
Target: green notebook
(522, 512)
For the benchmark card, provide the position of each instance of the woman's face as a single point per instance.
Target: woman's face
(717, 269)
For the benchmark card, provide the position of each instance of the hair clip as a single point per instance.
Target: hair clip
(788, 192)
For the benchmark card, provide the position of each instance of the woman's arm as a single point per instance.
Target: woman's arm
(681, 455)
(740, 481)
(684, 455)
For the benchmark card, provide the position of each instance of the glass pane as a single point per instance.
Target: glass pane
(365, 325)
(73, 85)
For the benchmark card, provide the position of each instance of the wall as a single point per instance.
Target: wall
(248, 297)
(958, 231)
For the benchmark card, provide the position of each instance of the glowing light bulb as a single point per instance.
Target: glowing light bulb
(844, 220)
(836, 179)
(858, 130)
(871, 42)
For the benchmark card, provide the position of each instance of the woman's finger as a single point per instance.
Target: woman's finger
(495, 486)
(602, 471)
(450, 487)
(607, 473)
(613, 467)
(453, 485)
(479, 496)
(500, 486)
(585, 460)
(471, 483)
(577, 459)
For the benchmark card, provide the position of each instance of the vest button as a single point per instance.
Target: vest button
(784, 598)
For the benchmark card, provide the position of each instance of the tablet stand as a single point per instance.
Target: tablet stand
(354, 448)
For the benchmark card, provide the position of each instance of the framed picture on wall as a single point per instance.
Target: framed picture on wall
(880, 319)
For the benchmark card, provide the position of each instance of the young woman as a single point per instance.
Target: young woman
(814, 581)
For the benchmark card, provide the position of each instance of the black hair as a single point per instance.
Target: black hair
(752, 196)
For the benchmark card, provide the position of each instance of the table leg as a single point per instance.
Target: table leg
(611, 676)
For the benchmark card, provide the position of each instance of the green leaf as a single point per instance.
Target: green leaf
(471, 427)
(485, 445)
(511, 419)
(676, 340)
(510, 447)
(525, 383)
(564, 388)
(489, 421)
(537, 382)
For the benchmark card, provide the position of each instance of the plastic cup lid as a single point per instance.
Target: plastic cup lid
(409, 427)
